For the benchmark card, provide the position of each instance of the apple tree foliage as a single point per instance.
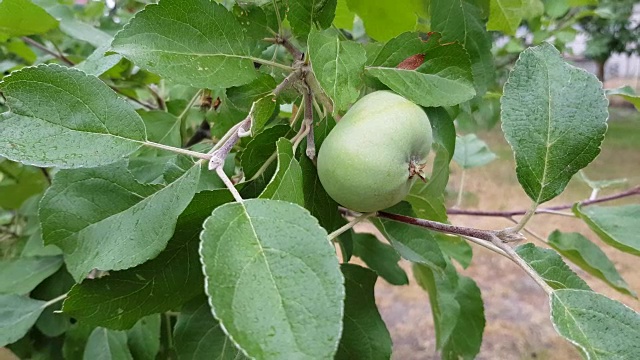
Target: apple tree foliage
(158, 189)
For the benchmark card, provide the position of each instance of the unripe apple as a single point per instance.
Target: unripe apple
(374, 154)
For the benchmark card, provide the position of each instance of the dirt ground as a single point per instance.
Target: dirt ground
(516, 309)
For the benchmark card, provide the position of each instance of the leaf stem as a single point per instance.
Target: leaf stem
(182, 118)
(527, 216)
(349, 225)
(273, 63)
(461, 190)
(55, 300)
(264, 166)
(286, 82)
(194, 154)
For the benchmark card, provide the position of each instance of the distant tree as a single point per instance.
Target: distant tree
(611, 31)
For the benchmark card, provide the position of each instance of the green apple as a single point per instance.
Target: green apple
(375, 153)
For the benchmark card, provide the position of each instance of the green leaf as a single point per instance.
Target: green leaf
(84, 123)
(273, 279)
(411, 242)
(472, 152)
(379, 257)
(73, 27)
(554, 117)
(75, 341)
(20, 183)
(627, 93)
(616, 225)
(427, 200)
(22, 17)
(149, 165)
(241, 98)
(162, 284)
(197, 335)
(505, 16)
(107, 344)
(443, 78)
(457, 308)
(259, 18)
(601, 327)
(550, 266)
(365, 335)
(316, 199)
(385, 19)
(17, 316)
(303, 14)
(99, 62)
(144, 338)
(201, 45)
(261, 112)
(590, 258)
(338, 66)
(21, 275)
(460, 20)
(286, 183)
(51, 322)
(344, 17)
(260, 148)
(121, 226)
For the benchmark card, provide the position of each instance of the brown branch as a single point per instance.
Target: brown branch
(486, 235)
(308, 119)
(47, 50)
(281, 40)
(551, 209)
(46, 175)
(148, 106)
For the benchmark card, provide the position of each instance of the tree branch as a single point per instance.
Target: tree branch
(547, 210)
(150, 107)
(45, 49)
(281, 40)
(523, 264)
(486, 235)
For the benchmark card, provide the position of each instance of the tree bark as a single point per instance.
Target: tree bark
(600, 70)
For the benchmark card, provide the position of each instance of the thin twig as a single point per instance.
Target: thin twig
(286, 82)
(159, 100)
(182, 118)
(308, 119)
(486, 235)
(627, 193)
(523, 264)
(46, 175)
(486, 244)
(461, 190)
(148, 106)
(229, 184)
(45, 49)
(281, 40)
(221, 152)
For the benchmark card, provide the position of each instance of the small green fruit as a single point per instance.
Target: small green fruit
(370, 159)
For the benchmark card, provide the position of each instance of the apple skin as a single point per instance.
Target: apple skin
(364, 163)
